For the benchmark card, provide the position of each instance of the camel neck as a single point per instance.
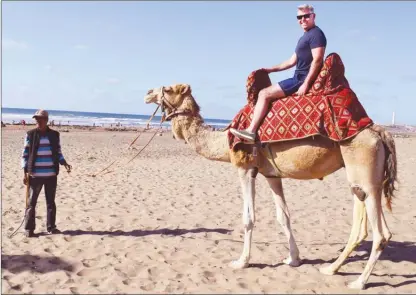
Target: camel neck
(210, 144)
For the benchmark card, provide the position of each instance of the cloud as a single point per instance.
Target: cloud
(226, 87)
(369, 82)
(48, 68)
(9, 44)
(113, 80)
(353, 32)
(98, 91)
(80, 46)
(408, 78)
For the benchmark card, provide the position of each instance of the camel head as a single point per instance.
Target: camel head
(176, 101)
(176, 98)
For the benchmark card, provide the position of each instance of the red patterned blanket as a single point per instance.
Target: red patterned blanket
(330, 108)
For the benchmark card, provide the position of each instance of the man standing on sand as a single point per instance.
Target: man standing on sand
(40, 160)
(308, 58)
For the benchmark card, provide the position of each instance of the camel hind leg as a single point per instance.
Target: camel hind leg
(357, 233)
(381, 236)
(364, 159)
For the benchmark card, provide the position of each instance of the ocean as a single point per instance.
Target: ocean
(10, 115)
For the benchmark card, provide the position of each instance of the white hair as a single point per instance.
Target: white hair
(304, 7)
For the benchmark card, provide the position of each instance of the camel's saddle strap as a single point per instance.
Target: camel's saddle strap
(267, 151)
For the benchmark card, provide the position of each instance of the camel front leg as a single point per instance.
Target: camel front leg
(283, 217)
(247, 179)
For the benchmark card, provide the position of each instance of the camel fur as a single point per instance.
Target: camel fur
(369, 160)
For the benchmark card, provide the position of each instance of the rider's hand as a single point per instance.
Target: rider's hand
(303, 89)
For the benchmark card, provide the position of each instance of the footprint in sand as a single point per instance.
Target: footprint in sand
(148, 287)
(89, 262)
(74, 290)
(209, 277)
(154, 271)
(85, 272)
(67, 239)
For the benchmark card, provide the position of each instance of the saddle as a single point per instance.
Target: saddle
(330, 109)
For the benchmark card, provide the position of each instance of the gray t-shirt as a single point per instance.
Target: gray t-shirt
(313, 38)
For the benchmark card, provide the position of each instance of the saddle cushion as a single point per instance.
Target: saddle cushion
(330, 108)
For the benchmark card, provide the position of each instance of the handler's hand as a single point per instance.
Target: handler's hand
(68, 167)
(303, 89)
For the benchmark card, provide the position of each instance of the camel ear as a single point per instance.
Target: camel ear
(185, 89)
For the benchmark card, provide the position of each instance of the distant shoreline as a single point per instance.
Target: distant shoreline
(395, 130)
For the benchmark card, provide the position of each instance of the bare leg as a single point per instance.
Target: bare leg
(266, 96)
(263, 102)
(353, 241)
(248, 187)
(283, 217)
(379, 229)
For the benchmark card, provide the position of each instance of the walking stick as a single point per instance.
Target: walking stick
(27, 203)
(27, 191)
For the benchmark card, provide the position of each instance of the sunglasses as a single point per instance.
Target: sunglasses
(308, 15)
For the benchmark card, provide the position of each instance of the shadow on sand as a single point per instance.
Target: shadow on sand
(395, 252)
(33, 263)
(142, 233)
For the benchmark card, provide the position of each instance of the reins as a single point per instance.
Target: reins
(134, 140)
(164, 118)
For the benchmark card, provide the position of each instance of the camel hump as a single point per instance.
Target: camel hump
(256, 81)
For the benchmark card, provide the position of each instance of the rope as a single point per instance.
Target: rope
(134, 140)
(27, 204)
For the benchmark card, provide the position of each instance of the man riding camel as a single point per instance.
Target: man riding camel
(308, 58)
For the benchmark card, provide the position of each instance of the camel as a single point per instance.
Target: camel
(369, 159)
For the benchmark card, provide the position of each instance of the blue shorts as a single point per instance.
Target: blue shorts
(291, 85)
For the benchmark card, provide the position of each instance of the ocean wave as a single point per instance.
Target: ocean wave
(83, 120)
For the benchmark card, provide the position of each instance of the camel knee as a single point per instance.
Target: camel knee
(359, 192)
(248, 226)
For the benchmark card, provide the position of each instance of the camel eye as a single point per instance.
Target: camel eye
(168, 89)
(150, 91)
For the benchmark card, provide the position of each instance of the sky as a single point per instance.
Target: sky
(104, 56)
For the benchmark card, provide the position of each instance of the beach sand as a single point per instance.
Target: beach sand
(170, 222)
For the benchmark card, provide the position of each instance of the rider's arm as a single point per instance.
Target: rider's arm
(284, 65)
(318, 57)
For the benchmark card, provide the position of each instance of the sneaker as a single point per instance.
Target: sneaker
(30, 234)
(54, 231)
(244, 134)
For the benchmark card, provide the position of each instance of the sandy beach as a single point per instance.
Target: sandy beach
(170, 222)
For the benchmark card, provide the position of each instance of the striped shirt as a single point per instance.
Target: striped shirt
(43, 166)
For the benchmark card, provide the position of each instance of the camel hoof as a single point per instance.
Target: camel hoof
(237, 264)
(358, 285)
(327, 271)
(292, 262)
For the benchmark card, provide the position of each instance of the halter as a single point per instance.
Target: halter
(164, 103)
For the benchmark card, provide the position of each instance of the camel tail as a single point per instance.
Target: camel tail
(390, 166)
